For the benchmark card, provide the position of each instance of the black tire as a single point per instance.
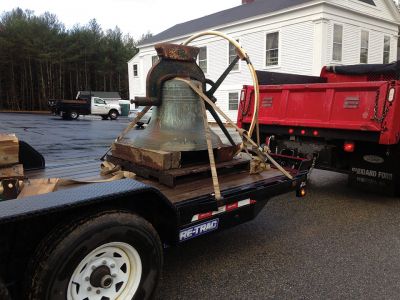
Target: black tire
(113, 114)
(58, 256)
(4, 295)
(73, 115)
(104, 117)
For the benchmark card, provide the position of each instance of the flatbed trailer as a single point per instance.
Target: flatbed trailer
(51, 247)
(104, 241)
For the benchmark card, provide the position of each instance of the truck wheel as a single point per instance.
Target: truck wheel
(112, 255)
(113, 114)
(73, 115)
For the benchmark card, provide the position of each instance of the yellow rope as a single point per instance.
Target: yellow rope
(243, 56)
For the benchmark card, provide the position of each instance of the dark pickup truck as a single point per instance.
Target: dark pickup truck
(88, 103)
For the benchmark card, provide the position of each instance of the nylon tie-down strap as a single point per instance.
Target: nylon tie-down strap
(242, 132)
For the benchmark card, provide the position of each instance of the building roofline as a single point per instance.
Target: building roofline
(365, 14)
(133, 56)
(308, 4)
(394, 9)
(241, 12)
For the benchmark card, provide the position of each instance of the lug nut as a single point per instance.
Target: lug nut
(87, 278)
(104, 262)
(98, 292)
(112, 265)
(114, 275)
(89, 288)
(93, 267)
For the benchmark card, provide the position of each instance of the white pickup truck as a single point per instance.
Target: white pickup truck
(71, 109)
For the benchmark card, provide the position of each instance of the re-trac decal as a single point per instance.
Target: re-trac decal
(199, 229)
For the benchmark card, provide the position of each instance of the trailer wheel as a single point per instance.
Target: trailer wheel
(113, 114)
(113, 255)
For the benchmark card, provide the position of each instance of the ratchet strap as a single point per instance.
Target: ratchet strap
(262, 154)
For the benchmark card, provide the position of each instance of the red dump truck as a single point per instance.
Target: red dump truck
(348, 119)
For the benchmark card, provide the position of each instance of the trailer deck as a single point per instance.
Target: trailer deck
(182, 191)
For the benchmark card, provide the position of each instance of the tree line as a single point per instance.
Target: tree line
(40, 59)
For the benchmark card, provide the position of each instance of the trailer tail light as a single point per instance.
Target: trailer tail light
(349, 146)
(391, 95)
(291, 131)
(315, 133)
(301, 190)
(303, 132)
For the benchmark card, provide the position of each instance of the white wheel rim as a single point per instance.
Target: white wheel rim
(121, 282)
(74, 115)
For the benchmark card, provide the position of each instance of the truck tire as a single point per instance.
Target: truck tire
(112, 255)
(104, 117)
(113, 114)
(73, 115)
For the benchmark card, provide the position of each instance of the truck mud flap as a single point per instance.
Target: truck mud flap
(374, 173)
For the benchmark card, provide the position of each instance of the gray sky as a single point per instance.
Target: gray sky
(131, 16)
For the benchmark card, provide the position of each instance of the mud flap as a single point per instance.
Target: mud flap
(375, 173)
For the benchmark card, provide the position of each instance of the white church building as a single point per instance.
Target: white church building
(291, 36)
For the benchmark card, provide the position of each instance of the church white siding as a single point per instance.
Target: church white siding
(305, 44)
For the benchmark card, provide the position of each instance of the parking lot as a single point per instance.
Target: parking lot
(336, 243)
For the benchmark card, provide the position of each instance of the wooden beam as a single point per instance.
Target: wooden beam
(16, 171)
(154, 159)
(9, 149)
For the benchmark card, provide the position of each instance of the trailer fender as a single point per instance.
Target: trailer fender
(125, 194)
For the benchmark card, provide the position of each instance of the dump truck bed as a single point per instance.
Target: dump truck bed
(364, 106)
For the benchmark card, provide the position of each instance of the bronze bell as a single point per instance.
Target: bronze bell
(175, 125)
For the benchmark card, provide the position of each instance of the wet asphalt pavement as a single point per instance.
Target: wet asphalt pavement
(336, 243)
(59, 140)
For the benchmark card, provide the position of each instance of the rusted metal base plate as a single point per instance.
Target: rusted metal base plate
(188, 173)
